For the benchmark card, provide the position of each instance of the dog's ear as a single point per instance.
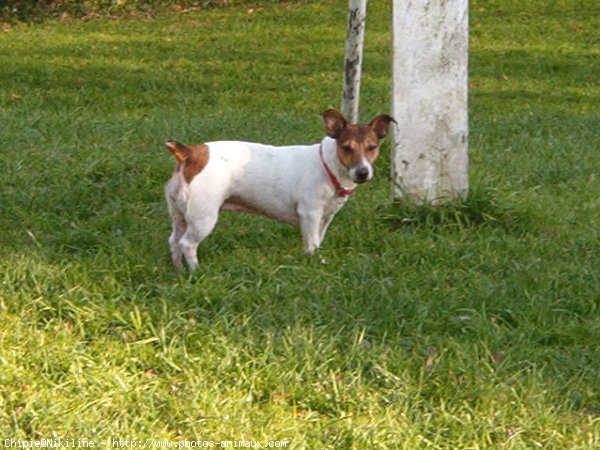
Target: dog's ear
(380, 125)
(335, 123)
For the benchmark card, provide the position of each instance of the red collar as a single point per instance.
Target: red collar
(339, 190)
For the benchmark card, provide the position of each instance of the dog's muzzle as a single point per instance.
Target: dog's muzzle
(361, 173)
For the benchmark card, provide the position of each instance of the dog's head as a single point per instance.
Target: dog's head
(357, 145)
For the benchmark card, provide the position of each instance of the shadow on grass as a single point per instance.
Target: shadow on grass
(481, 208)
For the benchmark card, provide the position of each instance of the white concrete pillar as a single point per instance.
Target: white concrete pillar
(430, 83)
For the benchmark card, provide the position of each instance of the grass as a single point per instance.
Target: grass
(474, 325)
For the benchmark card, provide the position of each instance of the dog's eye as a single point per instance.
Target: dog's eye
(347, 148)
(371, 147)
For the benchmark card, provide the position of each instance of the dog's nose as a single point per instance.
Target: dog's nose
(362, 173)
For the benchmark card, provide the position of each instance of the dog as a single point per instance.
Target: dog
(304, 185)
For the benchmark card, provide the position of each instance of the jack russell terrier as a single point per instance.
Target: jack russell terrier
(303, 185)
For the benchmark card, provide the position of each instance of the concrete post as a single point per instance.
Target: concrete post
(430, 70)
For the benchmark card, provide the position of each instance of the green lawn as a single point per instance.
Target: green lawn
(470, 326)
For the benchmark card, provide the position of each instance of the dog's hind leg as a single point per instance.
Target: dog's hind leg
(179, 227)
(196, 232)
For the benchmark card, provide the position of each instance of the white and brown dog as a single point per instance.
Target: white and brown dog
(303, 185)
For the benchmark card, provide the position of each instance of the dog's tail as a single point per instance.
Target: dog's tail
(191, 160)
(180, 151)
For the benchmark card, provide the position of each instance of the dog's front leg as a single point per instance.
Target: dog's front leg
(325, 222)
(310, 221)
